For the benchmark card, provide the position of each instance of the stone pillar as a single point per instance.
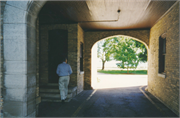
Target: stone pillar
(19, 39)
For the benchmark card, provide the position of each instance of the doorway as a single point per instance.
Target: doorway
(58, 48)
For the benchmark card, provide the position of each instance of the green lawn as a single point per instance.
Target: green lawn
(144, 72)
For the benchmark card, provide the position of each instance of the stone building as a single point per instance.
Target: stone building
(35, 34)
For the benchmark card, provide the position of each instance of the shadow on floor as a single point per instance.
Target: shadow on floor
(114, 102)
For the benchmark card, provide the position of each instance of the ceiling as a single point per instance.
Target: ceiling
(104, 15)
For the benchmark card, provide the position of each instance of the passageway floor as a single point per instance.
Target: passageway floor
(111, 102)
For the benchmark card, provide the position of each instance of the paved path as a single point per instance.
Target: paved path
(111, 102)
(120, 80)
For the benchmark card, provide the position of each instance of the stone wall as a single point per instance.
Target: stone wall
(37, 63)
(2, 4)
(75, 37)
(20, 86)
(166, 88)
(91, 37)
(19, 48)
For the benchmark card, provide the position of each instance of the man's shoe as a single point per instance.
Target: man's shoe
(62, 101)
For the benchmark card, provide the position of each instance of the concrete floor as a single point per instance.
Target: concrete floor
(110, 102)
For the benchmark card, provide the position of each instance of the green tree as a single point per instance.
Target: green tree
(127, 52)
(143, 53)
(104, 51)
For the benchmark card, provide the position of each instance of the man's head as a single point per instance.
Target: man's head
(65, 59)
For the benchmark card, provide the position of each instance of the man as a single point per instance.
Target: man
(64, 71)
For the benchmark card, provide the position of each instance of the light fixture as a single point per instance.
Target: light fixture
(103, 20)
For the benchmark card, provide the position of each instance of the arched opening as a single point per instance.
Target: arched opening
(100, 80)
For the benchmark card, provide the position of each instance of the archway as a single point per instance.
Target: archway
(103, 81)
(92, 37)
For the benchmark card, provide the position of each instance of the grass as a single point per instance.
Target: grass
(144, 72)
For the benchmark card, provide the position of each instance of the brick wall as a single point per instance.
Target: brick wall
(165, 89)
(72, 53)
(92, 37)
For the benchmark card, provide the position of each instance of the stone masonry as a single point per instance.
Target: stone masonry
(19, 55)
(2, 4)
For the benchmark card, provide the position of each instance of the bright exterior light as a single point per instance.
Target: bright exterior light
(115, 81)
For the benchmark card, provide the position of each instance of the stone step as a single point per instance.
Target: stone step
(51, 93)
(49, 84)
(56, 90)
(49, 90)
(54, 95)
(47, 99)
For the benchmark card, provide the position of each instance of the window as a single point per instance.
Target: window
(81, 57)
(162, 54)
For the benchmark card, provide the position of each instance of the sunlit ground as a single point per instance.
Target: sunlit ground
(115, 81)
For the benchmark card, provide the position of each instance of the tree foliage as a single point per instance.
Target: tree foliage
(127, 51)
(143, 54)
